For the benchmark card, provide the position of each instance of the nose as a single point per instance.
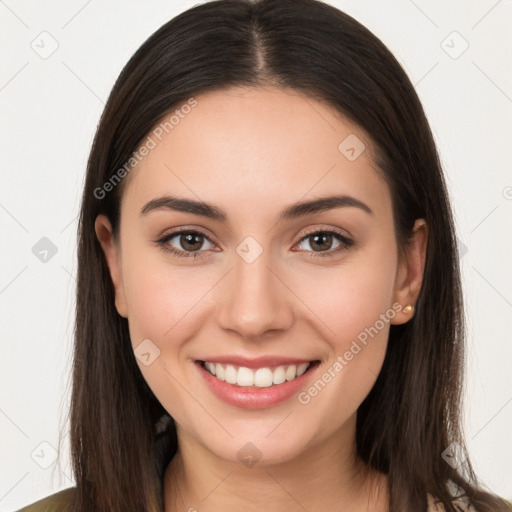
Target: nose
(254, 299)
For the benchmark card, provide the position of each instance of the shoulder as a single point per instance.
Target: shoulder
(61, 501)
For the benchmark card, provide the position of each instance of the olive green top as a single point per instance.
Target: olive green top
(59, 502)
(62, 502)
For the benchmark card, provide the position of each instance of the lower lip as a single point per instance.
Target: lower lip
(254, 397)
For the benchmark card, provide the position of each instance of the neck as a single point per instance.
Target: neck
(327, 476)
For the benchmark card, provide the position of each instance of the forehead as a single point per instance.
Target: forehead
(253, 147)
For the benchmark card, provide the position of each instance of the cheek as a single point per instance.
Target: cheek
(160, 296)
(343, 300)
(357, 307)
(163, 307)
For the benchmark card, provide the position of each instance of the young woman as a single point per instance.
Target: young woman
(269, 310)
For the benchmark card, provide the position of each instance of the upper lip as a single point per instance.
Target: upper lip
(256, 362)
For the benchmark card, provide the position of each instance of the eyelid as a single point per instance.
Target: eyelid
(325, 229)
(344, 240)
(187, 229)
(163, 242)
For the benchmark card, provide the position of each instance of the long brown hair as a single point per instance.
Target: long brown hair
(412, 413)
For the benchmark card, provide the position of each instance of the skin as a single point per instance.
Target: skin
(252, 152)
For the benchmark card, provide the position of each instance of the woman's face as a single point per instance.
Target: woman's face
(263, 293)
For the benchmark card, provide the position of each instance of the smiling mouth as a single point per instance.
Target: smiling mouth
(263, 377)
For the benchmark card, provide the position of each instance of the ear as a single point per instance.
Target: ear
(111, 250)
(410, 272)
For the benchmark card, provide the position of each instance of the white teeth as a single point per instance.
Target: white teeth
(230, 375)
(219, 371)
(211, 368)
(279, 375)
(291, 372)
(261, 378)
(302, 368)
(245, 376)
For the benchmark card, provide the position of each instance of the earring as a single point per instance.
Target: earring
(408, 308)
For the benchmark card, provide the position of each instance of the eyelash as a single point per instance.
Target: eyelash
(346, 243)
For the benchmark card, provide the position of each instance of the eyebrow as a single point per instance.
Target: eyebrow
(293, 211)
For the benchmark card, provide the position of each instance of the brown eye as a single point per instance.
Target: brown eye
(190, 241)
(322, 242)
(184, 243)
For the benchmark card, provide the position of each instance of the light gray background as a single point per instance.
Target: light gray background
(49, 109)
